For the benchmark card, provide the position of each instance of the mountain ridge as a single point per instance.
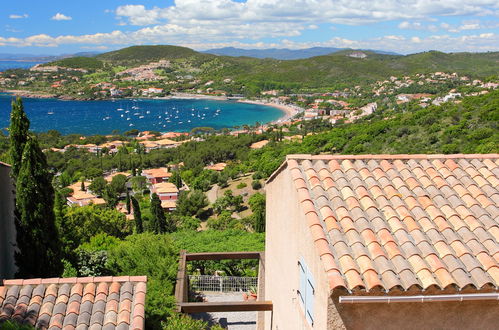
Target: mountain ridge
(284, 53)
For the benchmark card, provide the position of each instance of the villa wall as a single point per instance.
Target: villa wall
(288, 239)
(7, 226)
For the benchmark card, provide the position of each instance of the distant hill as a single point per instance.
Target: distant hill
(144, 54)
(336, 70)
(281, 53)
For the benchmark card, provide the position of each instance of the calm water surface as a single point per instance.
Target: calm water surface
(102, 117)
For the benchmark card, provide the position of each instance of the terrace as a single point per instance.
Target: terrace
(184, 287)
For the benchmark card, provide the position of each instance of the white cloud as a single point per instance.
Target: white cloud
(309, 11)
(15, 16)
(61, 17)
(218, 23)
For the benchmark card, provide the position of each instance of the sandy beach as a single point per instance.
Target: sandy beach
(289, 111)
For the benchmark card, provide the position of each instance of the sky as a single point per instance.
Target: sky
(402, 26)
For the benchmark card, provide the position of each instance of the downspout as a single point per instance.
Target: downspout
(420, 298)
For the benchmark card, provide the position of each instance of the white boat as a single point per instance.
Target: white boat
(140, 117)
(148, 112)
(136, 114)
(128, 119)
(121, 116)
(119, 109)
(50, 113)
(130, 125)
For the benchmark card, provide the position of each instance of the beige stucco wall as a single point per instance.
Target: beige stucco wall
(7, 227)
(481, 315)
(288, 239)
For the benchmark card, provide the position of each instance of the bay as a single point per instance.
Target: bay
(5, 65)
(163, 115)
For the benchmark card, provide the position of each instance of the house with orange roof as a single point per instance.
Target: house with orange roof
(171, 135)
(156, 175)
(7, 225)
(82, 197)
(219, 167)
(166, 143)
(383, 242)
(259, 144)
(167, 193)
(110, 177)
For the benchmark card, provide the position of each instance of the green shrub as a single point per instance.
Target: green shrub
(256, 185)
(241, 185)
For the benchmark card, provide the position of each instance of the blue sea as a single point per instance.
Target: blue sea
(103, 117)
(4, 65)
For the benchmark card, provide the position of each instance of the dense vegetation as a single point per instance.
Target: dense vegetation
(88, 63)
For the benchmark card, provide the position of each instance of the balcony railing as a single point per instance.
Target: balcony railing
(182, 286)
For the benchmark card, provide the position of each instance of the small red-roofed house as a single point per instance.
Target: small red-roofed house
(383, 242)
(156, 175)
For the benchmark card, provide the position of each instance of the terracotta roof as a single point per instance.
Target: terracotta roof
(259, 144)
(164, 187)
(157, 173)
(110, 177)
(75, 303)
(164, 142)
(169, 204)
(216, 167)
(383, 222)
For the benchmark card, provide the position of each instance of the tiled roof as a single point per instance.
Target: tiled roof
(169, 204)
(384, 222)
(164, 188)
(157, 173)
(75, 303)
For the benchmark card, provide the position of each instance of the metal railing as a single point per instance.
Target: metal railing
(222, 283)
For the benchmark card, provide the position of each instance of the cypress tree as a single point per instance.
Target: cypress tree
(127, 202)
(158, 215)
(18, 133)
(139, 226)
(39, 252)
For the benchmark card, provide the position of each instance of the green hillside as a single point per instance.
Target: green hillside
(145, 54)
(339, 68)
(88, 63)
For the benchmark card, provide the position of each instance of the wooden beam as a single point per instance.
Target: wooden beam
(232, 306)
(181, 285)
(222, 255)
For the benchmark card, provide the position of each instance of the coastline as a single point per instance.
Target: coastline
(288, 110)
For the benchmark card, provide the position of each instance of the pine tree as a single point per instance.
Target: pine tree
(18, 133)
(137, 215)
(39, 252)
(176, 179)
(158, 215)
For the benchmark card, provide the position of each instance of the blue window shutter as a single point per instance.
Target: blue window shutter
(303, 282)
(310, 293)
